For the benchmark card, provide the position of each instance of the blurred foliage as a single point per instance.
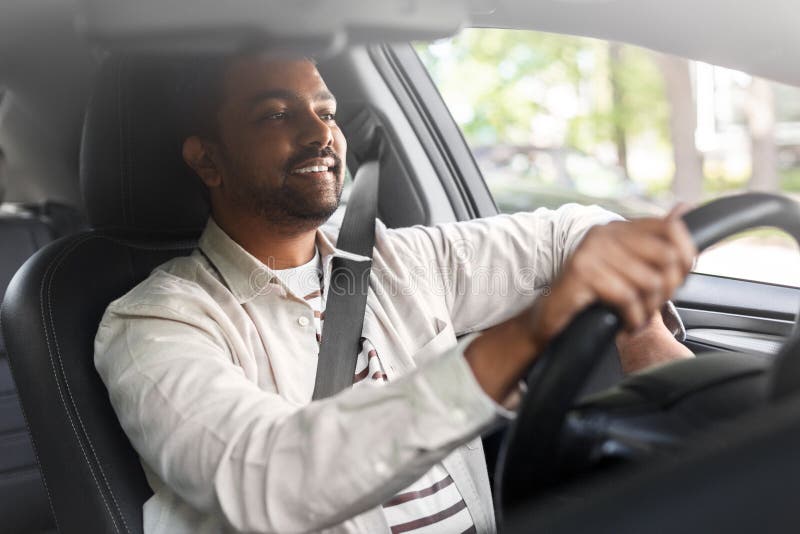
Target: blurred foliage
(499, 84)
(790, 179)
(719, 184)
(495, 81)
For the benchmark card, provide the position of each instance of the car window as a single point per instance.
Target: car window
(552, 119)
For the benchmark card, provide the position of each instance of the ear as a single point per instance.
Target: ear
(197, 153)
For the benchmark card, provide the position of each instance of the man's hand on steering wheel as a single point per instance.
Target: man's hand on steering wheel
(632, 266)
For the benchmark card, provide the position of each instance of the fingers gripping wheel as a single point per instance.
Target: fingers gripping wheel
(530, 459)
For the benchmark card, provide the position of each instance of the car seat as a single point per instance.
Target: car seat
(144, 207)
(23, 503)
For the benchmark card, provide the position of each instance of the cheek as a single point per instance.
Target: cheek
(268, 152)
(340, 144)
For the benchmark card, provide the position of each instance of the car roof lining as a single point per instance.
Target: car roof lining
(760, 38)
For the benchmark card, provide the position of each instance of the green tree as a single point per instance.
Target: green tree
(496, 84)
(498, 73)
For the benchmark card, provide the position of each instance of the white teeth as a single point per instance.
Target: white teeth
(313, 168)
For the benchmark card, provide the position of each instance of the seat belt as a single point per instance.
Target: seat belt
(349, 282)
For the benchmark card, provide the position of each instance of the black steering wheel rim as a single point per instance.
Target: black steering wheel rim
(528, 461)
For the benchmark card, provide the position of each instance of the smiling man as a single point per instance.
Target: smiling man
(210, 363)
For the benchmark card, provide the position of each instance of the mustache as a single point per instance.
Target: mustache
(312, 153)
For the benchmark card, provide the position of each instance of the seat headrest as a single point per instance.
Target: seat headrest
(133, 177)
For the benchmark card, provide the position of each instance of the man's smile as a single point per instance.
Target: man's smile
(316, 167)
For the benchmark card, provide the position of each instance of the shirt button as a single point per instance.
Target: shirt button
(459, 416)
(302, 321)
(381, 468)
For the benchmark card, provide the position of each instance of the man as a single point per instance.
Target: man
(210, 362)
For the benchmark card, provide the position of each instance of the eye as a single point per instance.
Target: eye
(328, 117)
(272, 116)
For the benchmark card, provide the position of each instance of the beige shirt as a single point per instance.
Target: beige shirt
(213, 386)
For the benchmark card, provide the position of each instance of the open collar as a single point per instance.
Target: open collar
(245, 275)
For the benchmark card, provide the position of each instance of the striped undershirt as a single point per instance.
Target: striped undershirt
(432, 504)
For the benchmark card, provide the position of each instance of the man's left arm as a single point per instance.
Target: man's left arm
(490, 269)
(493, 268)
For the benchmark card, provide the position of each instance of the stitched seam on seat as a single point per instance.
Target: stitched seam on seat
(69, 391)
(49, 274)
(36, 456)
(54, 267)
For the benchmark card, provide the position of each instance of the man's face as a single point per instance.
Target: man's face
(281, 152)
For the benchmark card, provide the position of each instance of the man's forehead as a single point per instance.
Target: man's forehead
(256, 77)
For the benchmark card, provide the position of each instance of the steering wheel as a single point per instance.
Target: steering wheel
(531, 460)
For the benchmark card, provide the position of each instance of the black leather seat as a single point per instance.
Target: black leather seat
(144, 207)
(23, 502)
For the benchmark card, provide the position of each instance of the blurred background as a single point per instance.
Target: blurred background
(553, 119)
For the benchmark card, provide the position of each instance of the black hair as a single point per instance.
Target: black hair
(199, 91)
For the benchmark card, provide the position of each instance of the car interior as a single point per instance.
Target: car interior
(23, 233)
(25, 227)
(95, 195)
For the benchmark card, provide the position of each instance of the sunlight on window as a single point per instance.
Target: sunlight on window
(763, 255)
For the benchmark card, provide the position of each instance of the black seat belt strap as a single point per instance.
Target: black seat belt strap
(346, 298)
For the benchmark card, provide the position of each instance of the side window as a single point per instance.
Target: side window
(553, 119)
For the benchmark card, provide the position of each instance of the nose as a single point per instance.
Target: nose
(315, 132)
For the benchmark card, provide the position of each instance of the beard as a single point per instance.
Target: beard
(297, 204)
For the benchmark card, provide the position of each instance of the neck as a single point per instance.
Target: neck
(275, 246)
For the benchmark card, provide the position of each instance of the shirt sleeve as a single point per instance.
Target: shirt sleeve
(492, 268)
(227, 447)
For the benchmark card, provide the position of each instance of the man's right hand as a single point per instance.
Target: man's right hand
(633, 266)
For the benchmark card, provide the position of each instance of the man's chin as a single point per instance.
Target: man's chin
(303, 216)
(294, 209)
(320, 214)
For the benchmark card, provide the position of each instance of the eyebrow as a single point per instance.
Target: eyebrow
(285, 94)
